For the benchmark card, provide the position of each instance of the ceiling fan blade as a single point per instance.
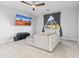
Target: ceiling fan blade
(26, 3)
(41, 4)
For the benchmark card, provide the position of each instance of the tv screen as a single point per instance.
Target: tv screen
(23, 20)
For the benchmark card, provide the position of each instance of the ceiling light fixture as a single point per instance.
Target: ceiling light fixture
(34, 5)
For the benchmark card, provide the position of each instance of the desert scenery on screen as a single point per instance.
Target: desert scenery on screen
(23, 20)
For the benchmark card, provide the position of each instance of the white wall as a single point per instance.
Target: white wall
(78, 25)
(39, 24)
(68, 23)
(7, 24)
(8, 29)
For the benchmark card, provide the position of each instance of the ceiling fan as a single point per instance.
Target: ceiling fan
(34, 5)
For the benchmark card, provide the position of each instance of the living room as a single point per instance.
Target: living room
(68, 12)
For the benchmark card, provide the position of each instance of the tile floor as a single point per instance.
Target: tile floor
(19, 49)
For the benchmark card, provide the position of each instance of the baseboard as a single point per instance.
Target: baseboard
(5, 41)
(68, 38)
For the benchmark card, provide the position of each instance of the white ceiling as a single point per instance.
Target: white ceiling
(54, 6)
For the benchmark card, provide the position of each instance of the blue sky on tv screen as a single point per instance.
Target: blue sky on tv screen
(24, 18)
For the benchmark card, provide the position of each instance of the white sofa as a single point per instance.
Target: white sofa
(44, 41)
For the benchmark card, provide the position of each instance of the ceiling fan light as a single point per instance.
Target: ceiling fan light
(33, 6)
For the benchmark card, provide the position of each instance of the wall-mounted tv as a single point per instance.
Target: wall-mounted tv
(23, 20)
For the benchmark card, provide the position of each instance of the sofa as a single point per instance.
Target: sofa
(21, 35)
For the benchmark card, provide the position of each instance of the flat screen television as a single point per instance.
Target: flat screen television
(23, 20)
